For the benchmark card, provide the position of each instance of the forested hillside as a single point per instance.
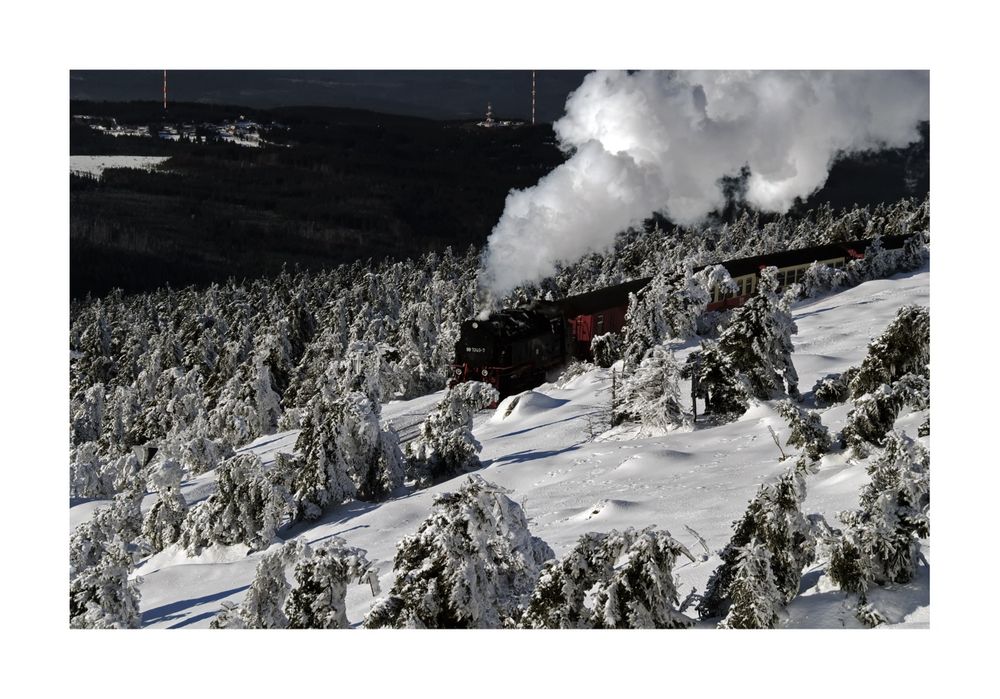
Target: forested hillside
(333, 186)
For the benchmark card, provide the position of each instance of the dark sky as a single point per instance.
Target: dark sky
(441, 94)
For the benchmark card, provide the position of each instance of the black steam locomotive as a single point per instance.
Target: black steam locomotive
(514, 349)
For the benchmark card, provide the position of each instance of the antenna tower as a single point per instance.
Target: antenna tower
(164, 90)
(532, 98)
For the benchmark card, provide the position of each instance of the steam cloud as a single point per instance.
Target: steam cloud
(659, 142)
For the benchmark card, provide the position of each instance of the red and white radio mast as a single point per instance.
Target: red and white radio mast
(164, 90)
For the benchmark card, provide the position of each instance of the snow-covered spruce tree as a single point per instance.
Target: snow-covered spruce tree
(263, 607)
(446, 445)
(89, 475)
(807, 429)
(346, 452)
(470, 564)
(833, 389)
(317, 601)
(903, 348)
(718, 382)
(872, 418)
(248, 405)
(651, 394)
(121, 519)
(755, 598)
(668, 308)
(101, 596)
(251, 502)
(880, 543)
(820, 278)
(606, 349)
(202, 453)
(627, 576)
(101, 557)
(164, 521)
(758, 342)
(87, 415)
(774, 520)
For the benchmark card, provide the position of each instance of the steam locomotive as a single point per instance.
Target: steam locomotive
(513, 349)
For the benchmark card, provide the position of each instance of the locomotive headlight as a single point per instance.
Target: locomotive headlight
(475, 325)
(458, 371)
(485, 372)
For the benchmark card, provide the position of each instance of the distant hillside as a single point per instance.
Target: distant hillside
(338, 185)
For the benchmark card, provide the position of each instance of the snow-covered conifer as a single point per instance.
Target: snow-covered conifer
(470, 564)
(89, 476)
(651, 394)
(446, 445)
(250, 504)
(871, 419)
(317, 601)
(833, 388)
(903, 348)
(87, 418)
(807, 429)
(606, 349)
(755, 598)
(773, 519)
(718, 382)
(347, 452)
(263, 607)
(102, 596)
(164, 520)
(880, 544)
(758, 341)
(625, 576)
(121, 519)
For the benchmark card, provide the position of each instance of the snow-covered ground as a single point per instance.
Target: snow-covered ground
(96, 164)
(698, 481)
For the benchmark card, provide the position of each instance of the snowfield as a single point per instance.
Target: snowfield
(694, 484)
(96, 164)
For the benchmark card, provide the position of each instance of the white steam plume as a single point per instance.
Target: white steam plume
(660, 141)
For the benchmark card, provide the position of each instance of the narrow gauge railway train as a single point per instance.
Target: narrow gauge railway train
(513, 349)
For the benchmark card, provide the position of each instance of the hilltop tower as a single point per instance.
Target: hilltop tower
(532, 98)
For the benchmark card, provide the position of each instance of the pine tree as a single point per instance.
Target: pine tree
(718, 382)
(317, 602)
(626, 576)
(346, 452)
(606, 349)
(102, 596)
(880, 544)
(446, 445)
(807, 430)
(903, 348)
(251, 502)
(758, 342)
(755, 598)
(774, 520)
(651, 395)
(101, 558)
(469, 565)
(264, 604)
(164, 521)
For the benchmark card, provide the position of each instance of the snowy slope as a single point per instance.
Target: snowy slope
(570, 484)
(96, 164)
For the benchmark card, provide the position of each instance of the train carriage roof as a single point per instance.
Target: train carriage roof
(600, 300)
(804, 256)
